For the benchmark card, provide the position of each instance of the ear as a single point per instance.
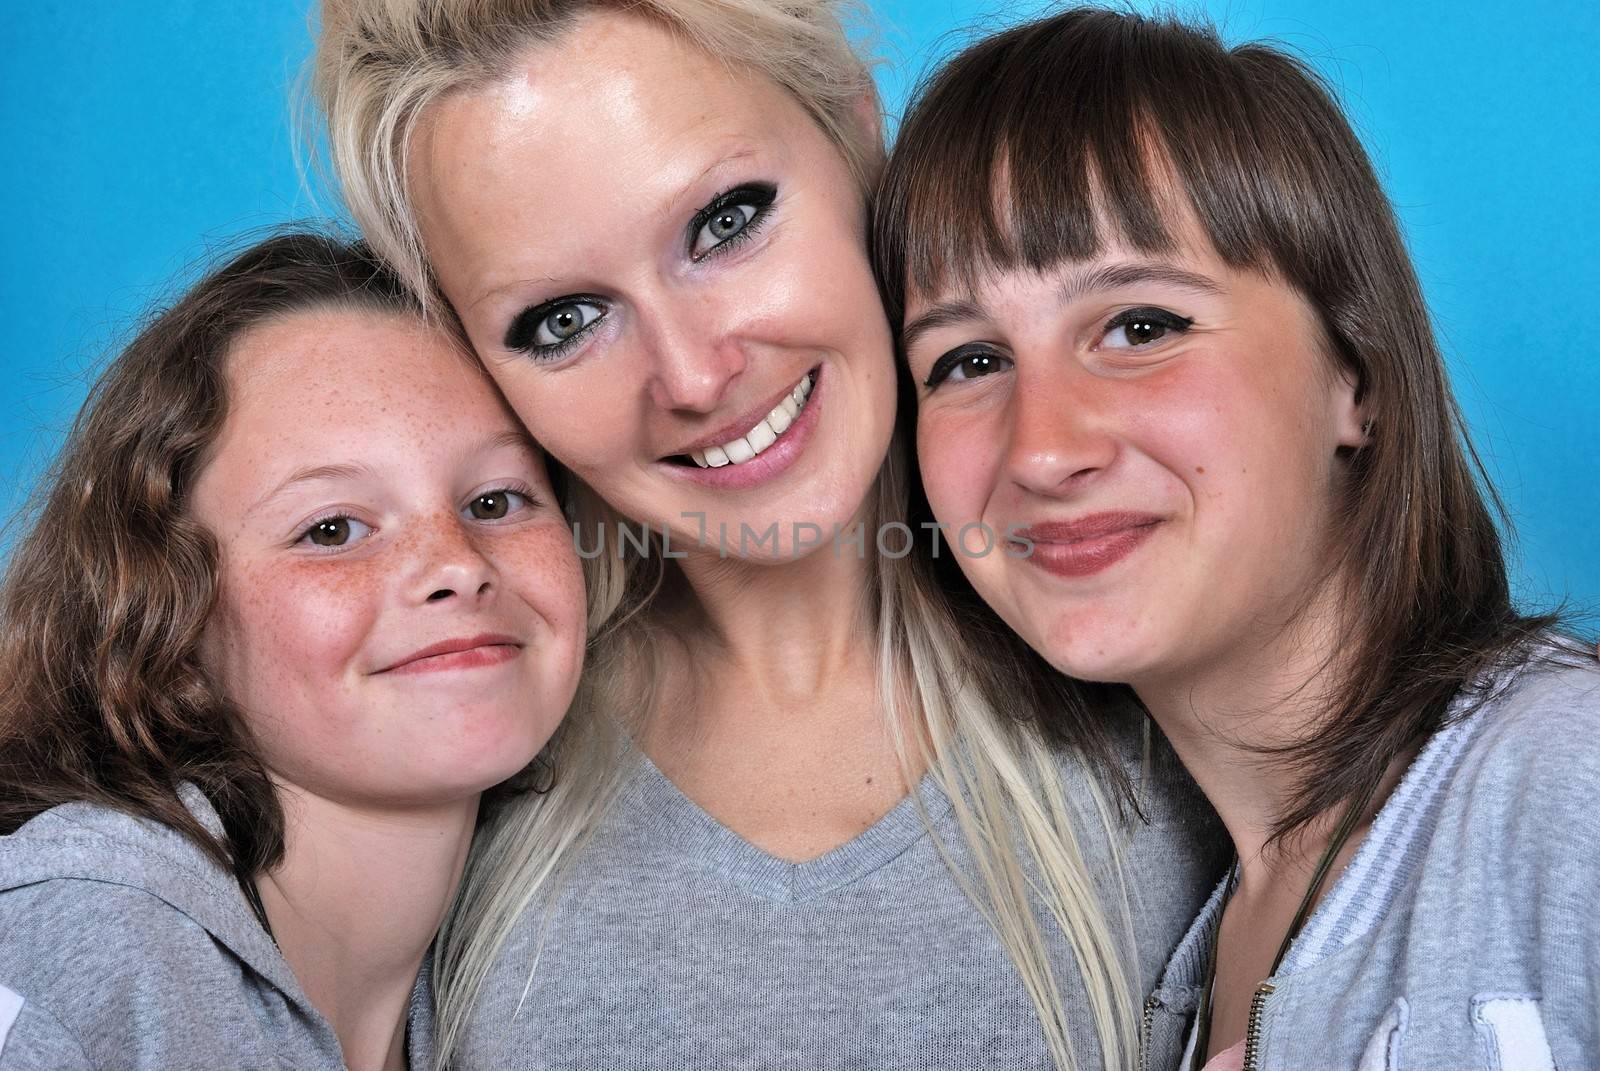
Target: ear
(1352, 421)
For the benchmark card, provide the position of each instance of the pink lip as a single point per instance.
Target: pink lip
(485, 650)
(1089, 544)
(773, 460)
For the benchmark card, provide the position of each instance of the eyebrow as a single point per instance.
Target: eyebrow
(315, 474)
(672, 207)
(514, 439)
(1077, 285)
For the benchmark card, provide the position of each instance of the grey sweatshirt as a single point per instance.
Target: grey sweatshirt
(1464, 932)
(678, 945)
(124, 946)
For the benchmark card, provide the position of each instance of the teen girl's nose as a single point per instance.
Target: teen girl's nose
(449, 565)
(694, 357)
(1057, 441)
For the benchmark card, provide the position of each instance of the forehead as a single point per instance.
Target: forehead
(611, 124)
(341, 374)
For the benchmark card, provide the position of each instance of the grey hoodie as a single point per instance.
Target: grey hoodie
(123, 945)
(1463, 934)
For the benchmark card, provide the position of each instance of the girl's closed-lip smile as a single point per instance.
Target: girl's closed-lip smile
(469, 653)
(1087, 545)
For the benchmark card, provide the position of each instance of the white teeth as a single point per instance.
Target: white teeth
(780, 419)
(761, 436)
(758, 438)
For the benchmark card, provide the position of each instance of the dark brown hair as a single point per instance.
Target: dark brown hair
(1020, 149)
(102, 694)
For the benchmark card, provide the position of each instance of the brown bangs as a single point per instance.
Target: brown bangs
(1023, 149)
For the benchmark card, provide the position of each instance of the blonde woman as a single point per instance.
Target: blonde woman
(809, 810)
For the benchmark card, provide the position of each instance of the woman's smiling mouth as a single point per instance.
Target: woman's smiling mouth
(734, 459)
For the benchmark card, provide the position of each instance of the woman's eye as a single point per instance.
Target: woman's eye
(564, 321)
(961, 365)
(547, 330)
(1141, 327)
(496, 505)
(335, 532)
(729, 217)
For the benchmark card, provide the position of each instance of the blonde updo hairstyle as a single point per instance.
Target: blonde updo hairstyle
(989, 730)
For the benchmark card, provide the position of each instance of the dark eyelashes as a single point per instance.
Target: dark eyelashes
(759, 194)
(1152, 315)
(522, 333)
(524, 328)
(950, 361)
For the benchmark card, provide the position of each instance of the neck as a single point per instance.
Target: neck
(1267, 691)
(354, 905)
(785, 628)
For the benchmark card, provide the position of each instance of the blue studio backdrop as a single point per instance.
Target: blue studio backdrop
(139, 136)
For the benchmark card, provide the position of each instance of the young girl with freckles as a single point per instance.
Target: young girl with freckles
(1162, 323)
(812, 813)
(296, 595)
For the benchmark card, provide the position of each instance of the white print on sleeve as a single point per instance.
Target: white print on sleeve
(10, 1006)
(1383, 1048)
(1512, 1032)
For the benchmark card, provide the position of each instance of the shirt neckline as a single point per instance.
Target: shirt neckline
(669, 816)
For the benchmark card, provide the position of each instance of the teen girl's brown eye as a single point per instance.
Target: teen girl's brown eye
(1133, 328)
(966, 363)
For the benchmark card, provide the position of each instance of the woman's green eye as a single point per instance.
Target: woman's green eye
(731, 217)
(729, 222)
(567, 320)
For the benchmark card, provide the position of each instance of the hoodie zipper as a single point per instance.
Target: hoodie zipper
(1252, 1032)
(1146, 1027)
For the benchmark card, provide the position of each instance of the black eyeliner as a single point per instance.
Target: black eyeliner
(759, 194)
(520, 333)
(947, 362)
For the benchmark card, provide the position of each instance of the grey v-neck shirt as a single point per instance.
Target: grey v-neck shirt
(676, 944)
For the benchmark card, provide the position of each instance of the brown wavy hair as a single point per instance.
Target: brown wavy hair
(102, 694)
(1015, 152)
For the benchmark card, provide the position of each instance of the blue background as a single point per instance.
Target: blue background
(136, 137)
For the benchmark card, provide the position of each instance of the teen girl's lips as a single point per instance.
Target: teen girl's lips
(1087, 545)
(757, 447)
(489, 649)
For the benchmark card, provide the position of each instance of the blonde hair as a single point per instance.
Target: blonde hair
(380, 64)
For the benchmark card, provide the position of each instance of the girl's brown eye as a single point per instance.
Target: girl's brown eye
(492, 506)
(334, 532)
(1140, 327)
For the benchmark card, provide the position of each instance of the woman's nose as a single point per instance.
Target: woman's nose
(695, 358)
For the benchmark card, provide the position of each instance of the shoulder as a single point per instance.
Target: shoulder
(32, 1039)
(72, 937)
(1525, 786)
(112, 969)
(1538, 730)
